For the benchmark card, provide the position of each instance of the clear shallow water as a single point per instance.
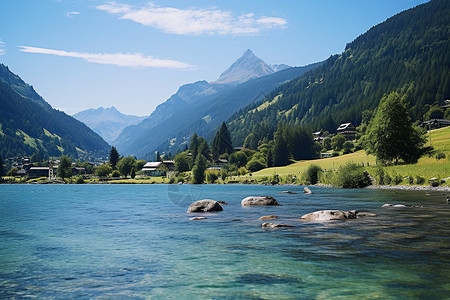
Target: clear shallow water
(136, 241)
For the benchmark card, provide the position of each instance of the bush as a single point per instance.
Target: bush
(212, 176)
(335, 153)
(420, 180)
(397, 179)
(80, 180)
(115, 174)
(172, 180)
(440, 155)
(255, 165)
(387, 179)
(275, 179)
(379, 175)
(352, 176)
(312, 174)
(410, 179)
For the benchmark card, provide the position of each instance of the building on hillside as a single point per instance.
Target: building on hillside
(155, 168)
(220, 163)
(347, 130)
(326, 155)
(236, 149)
(36, 172)
(435, 123)
(170, 164)
(446, 104)
(318, 136)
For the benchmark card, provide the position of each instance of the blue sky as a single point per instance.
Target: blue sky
(133, 55)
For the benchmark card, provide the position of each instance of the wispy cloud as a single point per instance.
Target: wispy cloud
(194, 21)
(2, 49)
(70, 14)
(117, 59)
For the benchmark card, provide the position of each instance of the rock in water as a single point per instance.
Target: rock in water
(329, 215)
(197, 218)
(275, 225)
(287, 192)
(271, 217)
(204, 206)
(259, 201)
(306, 190)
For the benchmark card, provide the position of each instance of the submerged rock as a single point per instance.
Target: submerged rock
(393, 205)
(271, 217)
(287, 192)
(222, 202)
(275, 225)
(330, 215)
(259, 201)
(204, 206)
(306, 190)
(197, 218)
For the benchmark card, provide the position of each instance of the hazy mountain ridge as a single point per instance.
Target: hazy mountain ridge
(107, 122)
(28, 124)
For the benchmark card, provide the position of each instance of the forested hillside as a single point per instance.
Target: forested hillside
(408, 53)
(30, 125)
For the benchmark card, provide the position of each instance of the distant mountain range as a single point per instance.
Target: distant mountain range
(28, 125)
(201, 106)
(107, 122)
(409, 53)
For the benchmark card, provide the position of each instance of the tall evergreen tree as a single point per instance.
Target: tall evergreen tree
(280, 155)
(391, 135)
(158, 157)
(193, 146)
(2, 167)
(198, 171)
(64, 167)
(222, 142)
(113, 157)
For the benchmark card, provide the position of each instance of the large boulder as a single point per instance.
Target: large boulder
(329, 215)
(259, 201)
(204, 206)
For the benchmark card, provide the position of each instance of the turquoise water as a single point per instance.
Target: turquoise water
(136, 241)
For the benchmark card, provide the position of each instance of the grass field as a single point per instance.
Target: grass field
(427, 166)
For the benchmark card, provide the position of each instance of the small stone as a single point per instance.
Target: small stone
(287, 192)
(271, 217)
(306, 190)
(275, 225)
(197, 218)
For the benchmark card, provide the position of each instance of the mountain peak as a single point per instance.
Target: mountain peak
(247, 67)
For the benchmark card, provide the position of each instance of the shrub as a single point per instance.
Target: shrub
(255, 165)
(440, 155)
(80, 180)
(420, 179)
(275, 179)
(387, 179)
(352, 176)
(115, 174)
(335, 153)
(312, 174)
(172, 180)
(379, 175)
(212, 176)
(410, 179)
(397, 179)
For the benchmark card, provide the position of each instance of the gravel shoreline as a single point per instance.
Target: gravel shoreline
(410, 188)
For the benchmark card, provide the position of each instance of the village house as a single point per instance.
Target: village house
(435, 123)
(155, 168)
(347, 130)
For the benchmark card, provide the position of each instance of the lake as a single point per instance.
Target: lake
(136, 241)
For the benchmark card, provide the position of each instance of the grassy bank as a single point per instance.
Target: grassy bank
(427, 167)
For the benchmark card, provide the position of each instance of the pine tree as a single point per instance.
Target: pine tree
(158, 157)
(113, 157)
(2, 167)
(198, 171)
(222, 142)
(64, 167)
(193, 147)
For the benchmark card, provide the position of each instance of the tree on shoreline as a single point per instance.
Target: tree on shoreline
(65, 167)
(113, 157)
(391, 135)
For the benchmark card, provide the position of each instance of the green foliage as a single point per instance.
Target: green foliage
(125, 165)
(440, 155)
(158, 157)
(242, 171)
(327, 144)
(391, 135)
(115, 174)
(140, 164)
(434, 113)
(397, 179)
(347, 147)
(222, 142)
(182, 162)
(312, 174)
(104, 170)
(238, 158)
(133, 173)
(113, 157)
(2, 167)
(379, 175)
(212, 176)
(337, 142)
(198, 171)
(223, 174)
(79, 180)
(420, 179)
(255, 165)
(65, 167)
(351, 176)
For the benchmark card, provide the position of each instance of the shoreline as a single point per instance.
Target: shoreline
(409, 188)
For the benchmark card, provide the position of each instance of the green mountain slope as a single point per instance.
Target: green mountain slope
(28, 124)
(408, 53)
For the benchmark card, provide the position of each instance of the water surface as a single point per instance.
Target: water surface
(136, 241)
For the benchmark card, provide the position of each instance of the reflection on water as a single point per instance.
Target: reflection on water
(137, 241)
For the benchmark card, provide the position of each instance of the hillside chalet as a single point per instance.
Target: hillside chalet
(158, 168)
(347, 130)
